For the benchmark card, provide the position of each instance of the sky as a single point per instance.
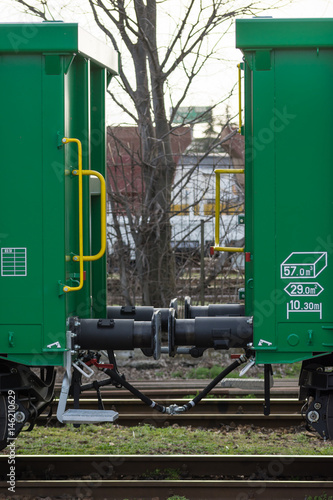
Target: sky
(219, 75)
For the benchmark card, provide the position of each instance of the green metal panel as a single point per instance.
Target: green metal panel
(20, 339)
(98, 162)
(57, 37)
(248, 191)
(63, 95)
(77, 126)
(283, 33)
(53, 211)
(21, 204)
(289, 185)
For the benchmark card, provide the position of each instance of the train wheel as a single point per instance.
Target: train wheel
(316, 382)
(319, 414)
(27, 397)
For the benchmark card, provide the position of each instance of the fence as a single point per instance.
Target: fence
(209, 280)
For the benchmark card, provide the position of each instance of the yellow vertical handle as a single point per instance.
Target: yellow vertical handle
(87, 258)
(217, 208)
(66, 288)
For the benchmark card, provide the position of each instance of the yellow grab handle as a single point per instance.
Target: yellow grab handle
(66, 140)
(239, 99)
(229, 171)
(228, 249)
(218, 172)
(86, 258)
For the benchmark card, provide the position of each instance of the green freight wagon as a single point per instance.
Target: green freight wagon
(288, 67)
(53, 83)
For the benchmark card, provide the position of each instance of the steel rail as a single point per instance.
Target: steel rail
(44, 467)
(211, 420)
(207, 405)
(213, 476)
(169, 389)
(195, 490)
(201, 420)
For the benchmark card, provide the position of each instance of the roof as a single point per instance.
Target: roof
(265, 33)
(56, 37)
(124, 143)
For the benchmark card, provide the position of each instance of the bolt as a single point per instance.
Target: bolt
(77, 347)
(13, 370)
(19, 417)
(77, 322)
(317, 406)
(313, 416)
(250, 321)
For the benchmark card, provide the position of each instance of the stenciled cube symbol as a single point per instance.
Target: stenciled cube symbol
(303, 265)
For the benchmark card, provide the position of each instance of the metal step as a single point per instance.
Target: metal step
(77, 416)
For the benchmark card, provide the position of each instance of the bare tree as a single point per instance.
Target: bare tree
(132, 28)
(192, 201)
(127, 231)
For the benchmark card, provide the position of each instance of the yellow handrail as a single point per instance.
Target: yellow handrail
(239, 98)
(229, 171)
(87, 258)
(67, 288)
(218, 172)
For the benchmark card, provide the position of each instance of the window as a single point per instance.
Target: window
(180, 209)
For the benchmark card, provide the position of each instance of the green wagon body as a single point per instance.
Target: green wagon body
(53, 83)
(289, 183)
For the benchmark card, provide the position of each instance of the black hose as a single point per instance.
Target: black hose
(115, 376)
(212, 384)
(162, 409)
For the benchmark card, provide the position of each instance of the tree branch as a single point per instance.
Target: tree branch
(36, 12)
(198, 34)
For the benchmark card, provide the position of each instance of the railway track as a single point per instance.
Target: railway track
(170, 389)
(195, 477)
(163, 490)
(210, 412)
(208, 405)
(224, 408)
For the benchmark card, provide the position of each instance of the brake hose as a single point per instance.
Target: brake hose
(174, 408)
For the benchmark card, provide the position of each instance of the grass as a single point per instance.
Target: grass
(176, 497)
(158, 474)
(322, 496)
(209, 396)
(202, 372)
(291, 370)
(145, 439)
